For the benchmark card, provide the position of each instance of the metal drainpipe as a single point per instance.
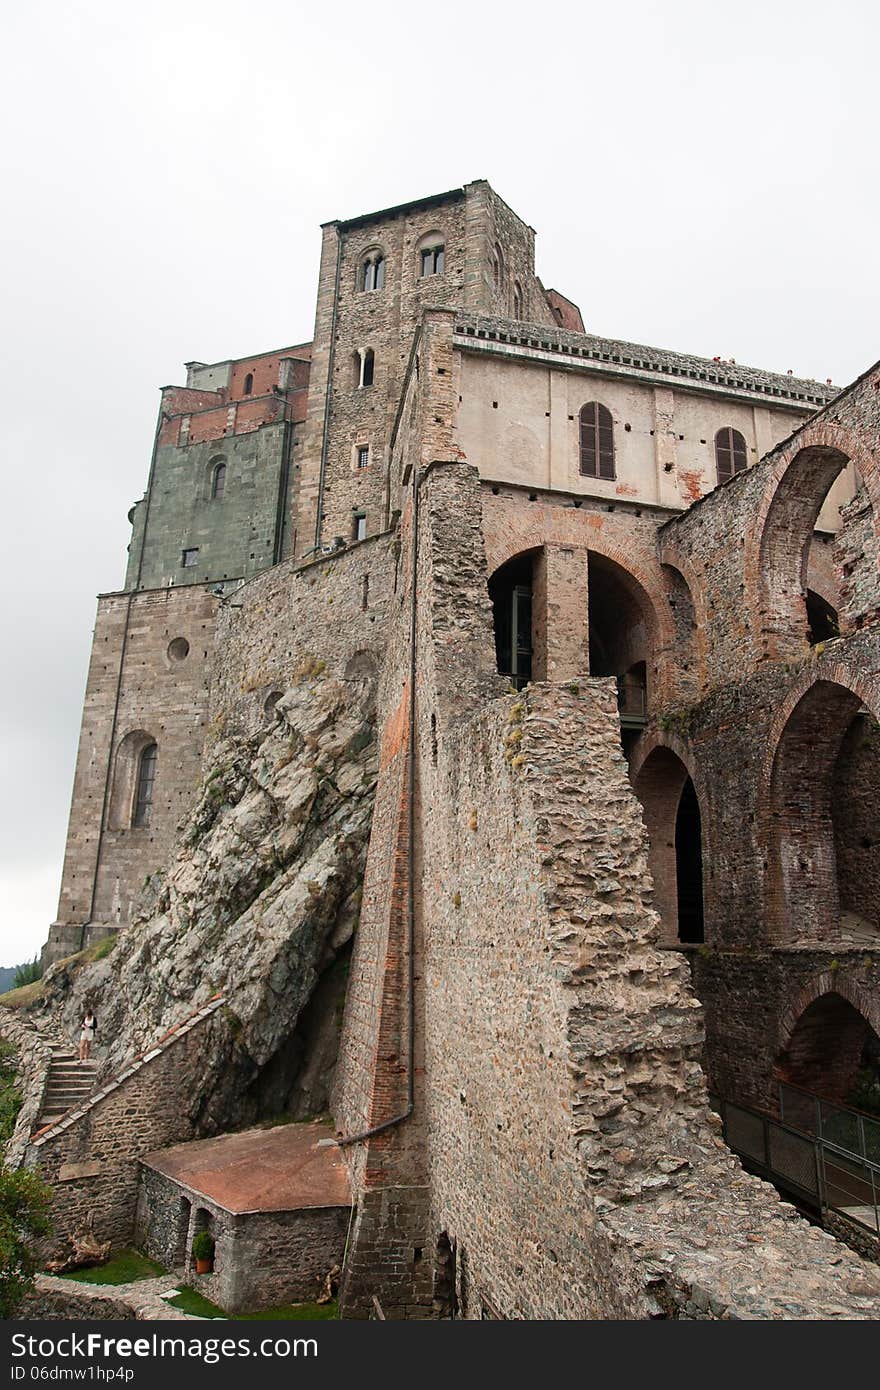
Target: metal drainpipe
(330, 362)
(410, 857)
(131, 594)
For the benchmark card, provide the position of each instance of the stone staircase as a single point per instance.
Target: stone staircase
(69, 1083)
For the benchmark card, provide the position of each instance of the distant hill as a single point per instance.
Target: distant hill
(7, 977)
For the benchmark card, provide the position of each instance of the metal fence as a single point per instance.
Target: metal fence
(816, 1153)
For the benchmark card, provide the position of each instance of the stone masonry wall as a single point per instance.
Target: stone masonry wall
(261, 1259)
(574, 1160)
(136, 690)
(90, 1157)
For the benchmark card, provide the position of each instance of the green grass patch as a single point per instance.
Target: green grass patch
(125, 1267)
(188, 1301)
(23, 997)
(192, 1302)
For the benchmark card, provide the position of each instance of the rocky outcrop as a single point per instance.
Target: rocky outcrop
(259, 901)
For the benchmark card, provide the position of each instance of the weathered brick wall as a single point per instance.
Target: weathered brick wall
(135, 686)
(857, 561)
(90, 1158)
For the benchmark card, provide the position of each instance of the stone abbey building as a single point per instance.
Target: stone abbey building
(574, 644)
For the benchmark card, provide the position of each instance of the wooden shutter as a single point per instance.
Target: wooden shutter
(597, 441)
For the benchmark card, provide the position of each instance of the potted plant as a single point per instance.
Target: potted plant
(203, 1252)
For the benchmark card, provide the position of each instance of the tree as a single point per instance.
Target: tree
(24, 1215)
(28, 973)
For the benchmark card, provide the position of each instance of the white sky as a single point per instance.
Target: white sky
(701, 177)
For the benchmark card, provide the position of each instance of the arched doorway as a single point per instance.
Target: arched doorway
(833, 1052)
(669, 800)
(510, 589)
(824, 784)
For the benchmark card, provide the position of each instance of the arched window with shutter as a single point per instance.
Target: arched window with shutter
(597, 441)
(731, 455)
(218, 481)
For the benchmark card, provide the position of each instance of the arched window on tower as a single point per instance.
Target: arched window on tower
(218, 480)
(146, 779)
(731, 455)
(498, 268)
(432, 255)
(367, 371)
(249, 383)
(596, 441)
(373, 271)
(517, 300)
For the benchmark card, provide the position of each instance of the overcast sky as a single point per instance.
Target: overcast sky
(701, 176)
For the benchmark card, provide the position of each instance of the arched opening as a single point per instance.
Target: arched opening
(218, 481)
(621, 639)
(824, 786)
(372, 274)
(675, 844)
(431, 252)
(689, 866)
(833, 1052)
(822, 623)
(517, 300)
(807, 488)
(134, 777)
(249, 384)
(510, 589)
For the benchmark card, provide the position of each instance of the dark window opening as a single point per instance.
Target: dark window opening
(363, 456)
(433, 261)
(249, 383)
(731, 455)
(374, 273)
(596, 441)
(510, 590)
(190, 557)
(367, 368)
(359, 526)
(822, 621)
(218, 481)
(143, 804)
(689, 866)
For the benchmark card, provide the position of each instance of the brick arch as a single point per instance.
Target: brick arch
(795, 800)
(561, 526)
(659, 769)
(673, 558)
(864, 1001)
(826, 671)
(777, 544)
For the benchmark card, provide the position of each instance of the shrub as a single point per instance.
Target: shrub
(203, 1246)
(10, 1096)
(24, 1215)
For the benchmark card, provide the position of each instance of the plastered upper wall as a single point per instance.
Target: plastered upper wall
(518, 421)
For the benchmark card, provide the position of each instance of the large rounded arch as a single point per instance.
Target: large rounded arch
(778, 544)
(675, 817)
(810, 837)
(828, 1036)
(126, 768)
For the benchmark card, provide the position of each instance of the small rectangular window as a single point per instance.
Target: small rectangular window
(359, 526)
(190, 557)
(363, 456)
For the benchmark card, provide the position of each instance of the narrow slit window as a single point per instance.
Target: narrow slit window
(731, 455)
(143, 803)
(368, 365)
(249, 384)
(596, 441)
(359, 526)
(218, 481)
